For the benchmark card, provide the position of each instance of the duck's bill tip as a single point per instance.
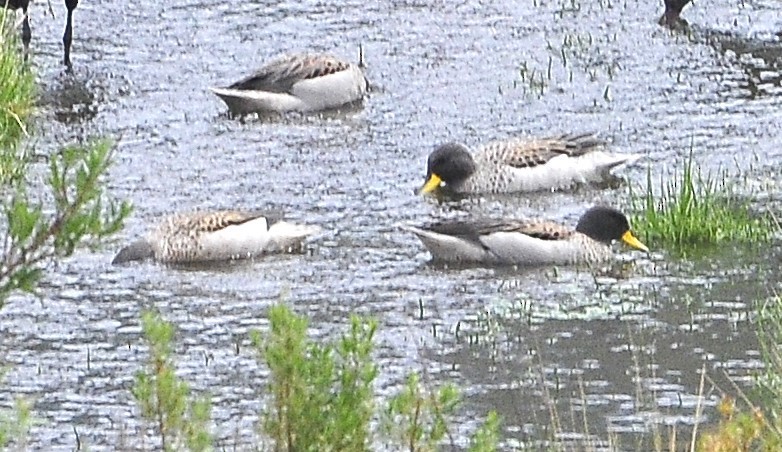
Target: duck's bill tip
(633, 242)
(431, 184)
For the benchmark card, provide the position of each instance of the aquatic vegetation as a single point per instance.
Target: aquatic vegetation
(755, 426)
(691, 209)
(164, 398)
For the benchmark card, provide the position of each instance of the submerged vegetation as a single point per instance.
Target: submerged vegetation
(690, 209)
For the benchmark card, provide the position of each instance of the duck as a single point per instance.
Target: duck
(215, 236)
(521, 165)
(297, 82)
(529, 243)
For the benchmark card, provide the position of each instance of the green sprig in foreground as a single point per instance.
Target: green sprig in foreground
(82, 214)
(180, 421)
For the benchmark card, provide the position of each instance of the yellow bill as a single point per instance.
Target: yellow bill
(431, 185)
(630, 240)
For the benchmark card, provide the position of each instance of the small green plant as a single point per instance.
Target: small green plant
(419, 420)
(81, 214)
(736, 432)
(16, 427)
(322, 394)
(164, 398)
(693, 209)
(487, 437)
(755, 427)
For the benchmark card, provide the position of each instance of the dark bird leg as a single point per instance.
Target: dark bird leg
(673, 10)
(67, 37)
(26, 33)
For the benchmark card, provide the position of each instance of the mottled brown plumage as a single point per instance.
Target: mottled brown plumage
(521, 165)
(219, 235)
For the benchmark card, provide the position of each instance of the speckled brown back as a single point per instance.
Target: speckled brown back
(529, 153)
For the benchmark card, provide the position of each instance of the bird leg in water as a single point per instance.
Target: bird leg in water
(67, 36)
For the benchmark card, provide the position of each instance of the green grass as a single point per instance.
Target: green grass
(690, 209)
(17, 97)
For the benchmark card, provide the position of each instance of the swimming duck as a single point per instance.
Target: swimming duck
(300, 82)
(521, 165)
(529, 243)
(213, 236)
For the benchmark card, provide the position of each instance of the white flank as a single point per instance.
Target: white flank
(248, 101)
(235, 242)
(307, 95)
(331, 91)
(564, 171)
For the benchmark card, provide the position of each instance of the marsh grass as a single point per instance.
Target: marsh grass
(17, 96)
(745, 425)
(690, 209)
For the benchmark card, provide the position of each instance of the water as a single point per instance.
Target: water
(622, 348)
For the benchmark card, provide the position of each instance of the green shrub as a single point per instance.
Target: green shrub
(82, 214)
(322, 397)
(164, 398)
(322, 394)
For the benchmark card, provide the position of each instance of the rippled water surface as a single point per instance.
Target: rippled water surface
(622, 347)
